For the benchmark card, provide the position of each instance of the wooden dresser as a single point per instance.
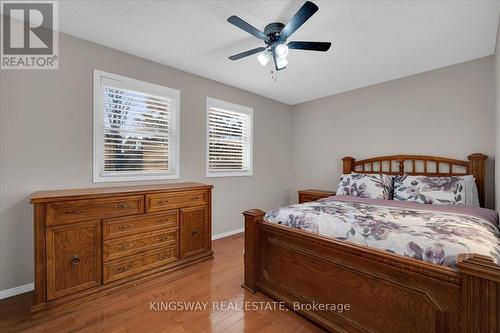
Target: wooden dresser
(92, 241)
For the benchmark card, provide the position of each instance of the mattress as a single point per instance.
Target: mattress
(431, 233)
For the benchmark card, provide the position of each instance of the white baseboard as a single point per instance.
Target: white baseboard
(16, 290)
(30, 286)
(227, 233)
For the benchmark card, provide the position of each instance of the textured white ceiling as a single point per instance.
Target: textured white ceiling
(373, 41)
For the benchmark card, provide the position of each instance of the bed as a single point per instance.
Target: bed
(348, 287)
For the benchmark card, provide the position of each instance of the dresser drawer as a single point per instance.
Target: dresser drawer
(163, 201)
(132, 225)
(93, 209)
(126, 246)
(119, 269)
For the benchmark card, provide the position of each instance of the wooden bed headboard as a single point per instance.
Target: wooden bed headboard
(423, 165)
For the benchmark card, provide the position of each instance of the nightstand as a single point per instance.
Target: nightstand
(313, 195)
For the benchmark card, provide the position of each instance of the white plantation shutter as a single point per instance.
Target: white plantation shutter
(137, 130)
(229, 139)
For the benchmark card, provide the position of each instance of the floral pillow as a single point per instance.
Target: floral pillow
(372, 186)
(430, 190)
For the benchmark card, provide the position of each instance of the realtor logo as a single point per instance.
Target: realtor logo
(29, 35)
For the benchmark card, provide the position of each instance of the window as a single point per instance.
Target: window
(229, 139)
(136, 129)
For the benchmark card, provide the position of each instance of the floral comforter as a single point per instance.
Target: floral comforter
(435, 234)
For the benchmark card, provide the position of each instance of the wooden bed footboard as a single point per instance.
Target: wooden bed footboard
(345, 287)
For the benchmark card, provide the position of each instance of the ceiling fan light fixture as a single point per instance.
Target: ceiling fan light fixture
(276, 34)
(281, 62)
(281, 51)
(264, 58)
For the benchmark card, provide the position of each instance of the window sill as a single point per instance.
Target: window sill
(229, 174)
(131, 178)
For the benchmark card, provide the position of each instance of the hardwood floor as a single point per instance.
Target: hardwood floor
(129, 310)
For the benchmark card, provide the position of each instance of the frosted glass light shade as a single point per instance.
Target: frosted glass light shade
(264, 57)
(281, 62)
(282, 50)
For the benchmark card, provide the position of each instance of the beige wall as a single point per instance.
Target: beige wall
(444, 112)
(46, 142)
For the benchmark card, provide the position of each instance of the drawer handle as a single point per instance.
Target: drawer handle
(125, 227)
(163, 220)
(162, 238)
(194, 233)
(75, 260)
(163, 257)
(124, 247)
(123, 205)
(74, 212)
(195, 198)
(162, 202)
(124, 268)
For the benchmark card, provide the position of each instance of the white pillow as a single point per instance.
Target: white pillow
(372, 186)
(471, 193)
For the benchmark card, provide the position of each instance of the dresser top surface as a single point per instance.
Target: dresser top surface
(96, 192)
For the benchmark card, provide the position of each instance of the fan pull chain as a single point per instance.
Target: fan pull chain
(274, 77)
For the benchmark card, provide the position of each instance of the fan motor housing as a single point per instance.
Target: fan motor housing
(273, 29)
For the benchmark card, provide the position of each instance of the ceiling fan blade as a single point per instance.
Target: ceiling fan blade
(247, 53)
(311, 46)
(304, 13)
(235, 20)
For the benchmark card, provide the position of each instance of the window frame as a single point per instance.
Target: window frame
(99, 175)
(217, 103)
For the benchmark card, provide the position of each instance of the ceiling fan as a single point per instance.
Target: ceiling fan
(275, 36)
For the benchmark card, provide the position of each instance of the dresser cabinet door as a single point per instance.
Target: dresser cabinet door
(73, 258)
(194, 231)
